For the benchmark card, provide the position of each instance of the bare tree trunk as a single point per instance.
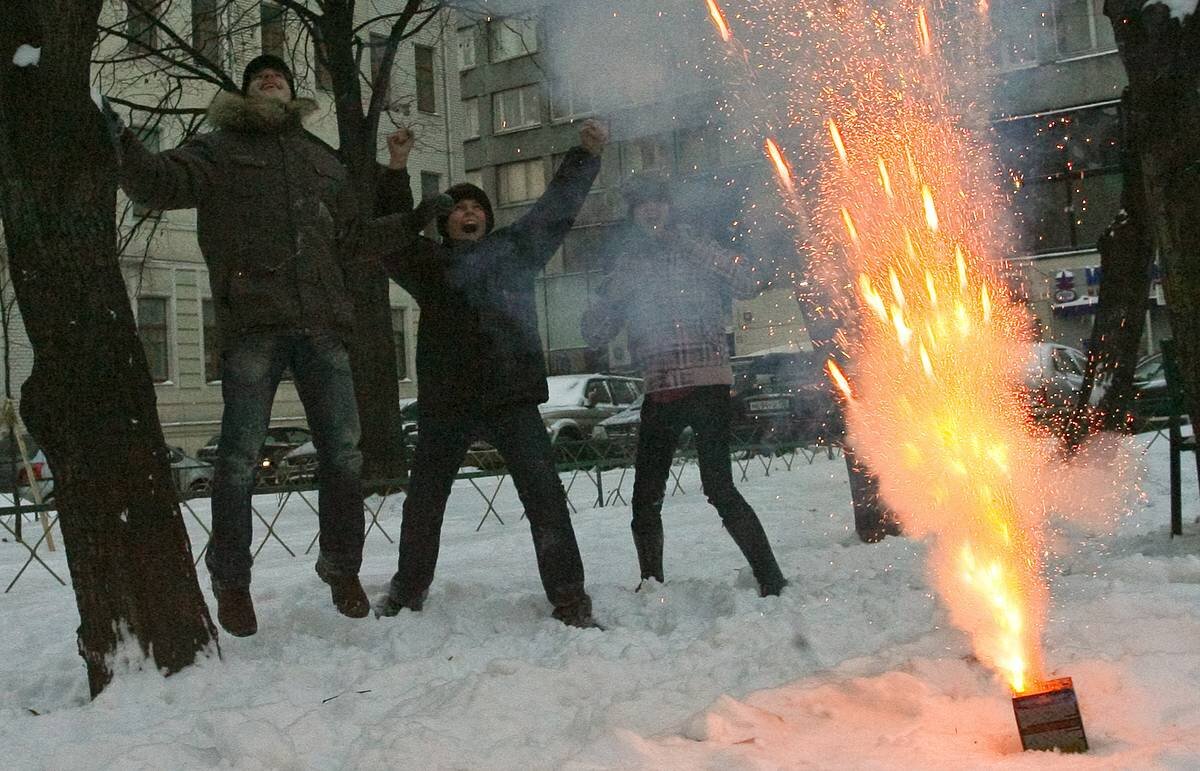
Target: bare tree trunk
(1126, 257)
(89, 401)
(1160, 55)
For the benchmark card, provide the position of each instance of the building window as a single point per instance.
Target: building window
(583, 250)
(152, 330)
(1065, 174)
(1029, 32)
(212, 342)
(699, 149)
(516, 108)
(206, 30)
(521, 181)
(571, 100)
(151, 140)
(471, 118)
(466, 48)
(400, 335)
(274, 30)
(378, 44)
(651, 153)
(140, 25)
(510, 38)
(426, 83)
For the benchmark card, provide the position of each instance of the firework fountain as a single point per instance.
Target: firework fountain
(906, 229)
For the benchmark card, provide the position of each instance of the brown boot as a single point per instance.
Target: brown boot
(235, 611)
(348, 595)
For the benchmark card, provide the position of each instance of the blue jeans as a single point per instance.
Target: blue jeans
(251, 366)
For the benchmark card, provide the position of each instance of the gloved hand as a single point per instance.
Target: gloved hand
(433, 208)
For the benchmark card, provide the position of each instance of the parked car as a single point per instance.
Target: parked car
(1151, 405)
(783, 397)
(577, 404)
(616, 437)
(300, 465)
(1053, 380)
(191, 476)
(279, 442)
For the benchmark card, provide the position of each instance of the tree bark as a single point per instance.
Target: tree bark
(89, 400)
(1126, 258)
(373, 349)
(1160, 54)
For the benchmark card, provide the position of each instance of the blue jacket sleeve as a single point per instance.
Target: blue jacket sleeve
(538, 234)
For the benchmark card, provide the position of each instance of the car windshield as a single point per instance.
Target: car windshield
(410, 411)
(1149, 369)
(565, 389)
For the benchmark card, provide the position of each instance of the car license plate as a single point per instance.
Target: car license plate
(768, 405)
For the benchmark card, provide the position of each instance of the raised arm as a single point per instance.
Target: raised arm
(541, 231)
(172, 179)
(393, 186)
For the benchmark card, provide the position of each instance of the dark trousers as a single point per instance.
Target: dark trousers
(707, 410)
(519, 435)
(251, 367)
(872, 518)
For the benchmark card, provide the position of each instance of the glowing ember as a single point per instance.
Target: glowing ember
(718, 20)
(782, 168)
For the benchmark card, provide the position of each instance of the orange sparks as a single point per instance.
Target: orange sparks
(839, 379)
(718, 19)
(837, 142)
(931, 217)
(782, 168)
(850, 229)
(923, 31)
(884, 179)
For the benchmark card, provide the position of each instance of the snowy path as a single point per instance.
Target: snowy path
(854, 667)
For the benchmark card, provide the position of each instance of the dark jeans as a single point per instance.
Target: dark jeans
(707, 410)
(251, 367)
(872, 517)
(518, 433)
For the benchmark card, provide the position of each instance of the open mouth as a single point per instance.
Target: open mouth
(470, 227)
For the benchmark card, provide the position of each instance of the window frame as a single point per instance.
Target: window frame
(498, 111)
(508, 23)
(533, 165)
(165, 326)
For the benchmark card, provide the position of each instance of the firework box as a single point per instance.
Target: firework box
(1048, 717)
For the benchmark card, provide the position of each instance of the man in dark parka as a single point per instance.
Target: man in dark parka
(482, 374)
(277, 225)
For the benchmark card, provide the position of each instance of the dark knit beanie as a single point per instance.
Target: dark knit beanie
(465, 190)
(268, 62)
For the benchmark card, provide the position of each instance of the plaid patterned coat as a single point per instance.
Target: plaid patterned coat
(670, 295)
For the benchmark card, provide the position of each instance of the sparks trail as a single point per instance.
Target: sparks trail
(907, 228)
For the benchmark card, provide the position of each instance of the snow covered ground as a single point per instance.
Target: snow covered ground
(854, 667)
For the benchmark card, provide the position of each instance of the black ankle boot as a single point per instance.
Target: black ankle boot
(747, 532)
(235, 611)
(649, 545)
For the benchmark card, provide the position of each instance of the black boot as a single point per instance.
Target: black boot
(747, 532)
(649, 545)
(235, 611)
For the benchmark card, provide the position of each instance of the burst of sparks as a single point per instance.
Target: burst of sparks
(783, 169)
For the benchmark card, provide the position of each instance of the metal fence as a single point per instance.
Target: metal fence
(602, 468)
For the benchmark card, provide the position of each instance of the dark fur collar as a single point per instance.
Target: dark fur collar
(234, 112)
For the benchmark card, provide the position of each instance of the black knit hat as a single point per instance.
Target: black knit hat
(465, 190)
(268, 62)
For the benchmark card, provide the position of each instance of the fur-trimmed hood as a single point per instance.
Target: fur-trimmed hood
(232, 111)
